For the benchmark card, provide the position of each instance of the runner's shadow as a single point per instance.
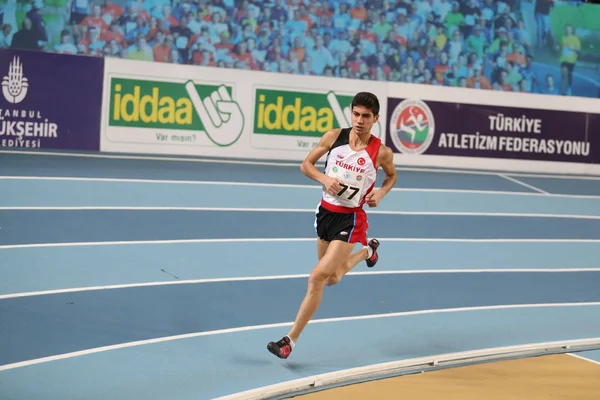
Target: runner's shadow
(318, 366)
(298, 367)
(251, 361)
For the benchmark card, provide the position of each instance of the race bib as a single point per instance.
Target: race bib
(349, 195)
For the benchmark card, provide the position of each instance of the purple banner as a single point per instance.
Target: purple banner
(469, 130)
(50, 101)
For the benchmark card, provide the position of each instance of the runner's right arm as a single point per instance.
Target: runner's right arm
(309, 169)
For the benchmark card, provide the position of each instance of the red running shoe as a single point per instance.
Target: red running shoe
(371, 261)
(282, 348)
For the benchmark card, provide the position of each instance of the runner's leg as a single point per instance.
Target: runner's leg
(337, 254)
(322, 246)
(351, 262)
(359, 235)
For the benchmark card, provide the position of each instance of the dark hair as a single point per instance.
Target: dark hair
(367, 100)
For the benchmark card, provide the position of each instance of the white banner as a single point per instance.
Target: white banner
(189, 110)
(158, 108)
(415, 101)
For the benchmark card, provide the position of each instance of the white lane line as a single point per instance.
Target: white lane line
(288, 389)
(584, 358)
(284, 185)
(160, 181)
(242, 240)
(550, 176)
(294, 276)
(295, 210)
(524, 184)
(279, 325)
(284, 164)
(156, 158)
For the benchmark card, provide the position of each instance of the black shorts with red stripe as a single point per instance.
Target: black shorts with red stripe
(349, 227)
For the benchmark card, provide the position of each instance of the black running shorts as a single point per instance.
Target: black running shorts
(347, 227)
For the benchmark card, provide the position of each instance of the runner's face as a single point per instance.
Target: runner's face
(363, 119)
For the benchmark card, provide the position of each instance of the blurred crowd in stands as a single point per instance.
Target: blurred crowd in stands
(486, 44)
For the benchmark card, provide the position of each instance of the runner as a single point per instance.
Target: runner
(353, 158)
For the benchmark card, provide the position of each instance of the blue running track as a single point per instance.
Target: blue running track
(164, 278)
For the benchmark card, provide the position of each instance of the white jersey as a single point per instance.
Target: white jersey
(357, 169)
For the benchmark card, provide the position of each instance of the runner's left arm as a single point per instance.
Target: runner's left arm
(385, 159)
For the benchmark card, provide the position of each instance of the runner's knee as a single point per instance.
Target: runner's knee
(320, 275)
(332, 280)
(317, 276)
(335, 278)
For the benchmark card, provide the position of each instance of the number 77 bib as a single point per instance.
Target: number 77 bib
(352, 186)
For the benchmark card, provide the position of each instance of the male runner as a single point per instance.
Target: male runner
(353, 158)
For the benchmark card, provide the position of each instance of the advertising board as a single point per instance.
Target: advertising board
(198, 111)
(50, 101)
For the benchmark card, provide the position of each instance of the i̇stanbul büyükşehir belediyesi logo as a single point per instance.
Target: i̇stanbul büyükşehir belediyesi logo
(15, 84)
(21, 127)
(412, 127)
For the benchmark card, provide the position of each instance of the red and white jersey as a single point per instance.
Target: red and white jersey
(357, 169)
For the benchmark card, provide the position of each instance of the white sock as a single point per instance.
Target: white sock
(291, 342)
(369, 250)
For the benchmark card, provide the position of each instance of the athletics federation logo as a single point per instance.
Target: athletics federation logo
(15, 85)
(412, 127)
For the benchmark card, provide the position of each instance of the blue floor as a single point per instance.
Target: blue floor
(205, 367)
(470, 279)
(41, 326)
(49, 192)
(26, 269)
(123, 225)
